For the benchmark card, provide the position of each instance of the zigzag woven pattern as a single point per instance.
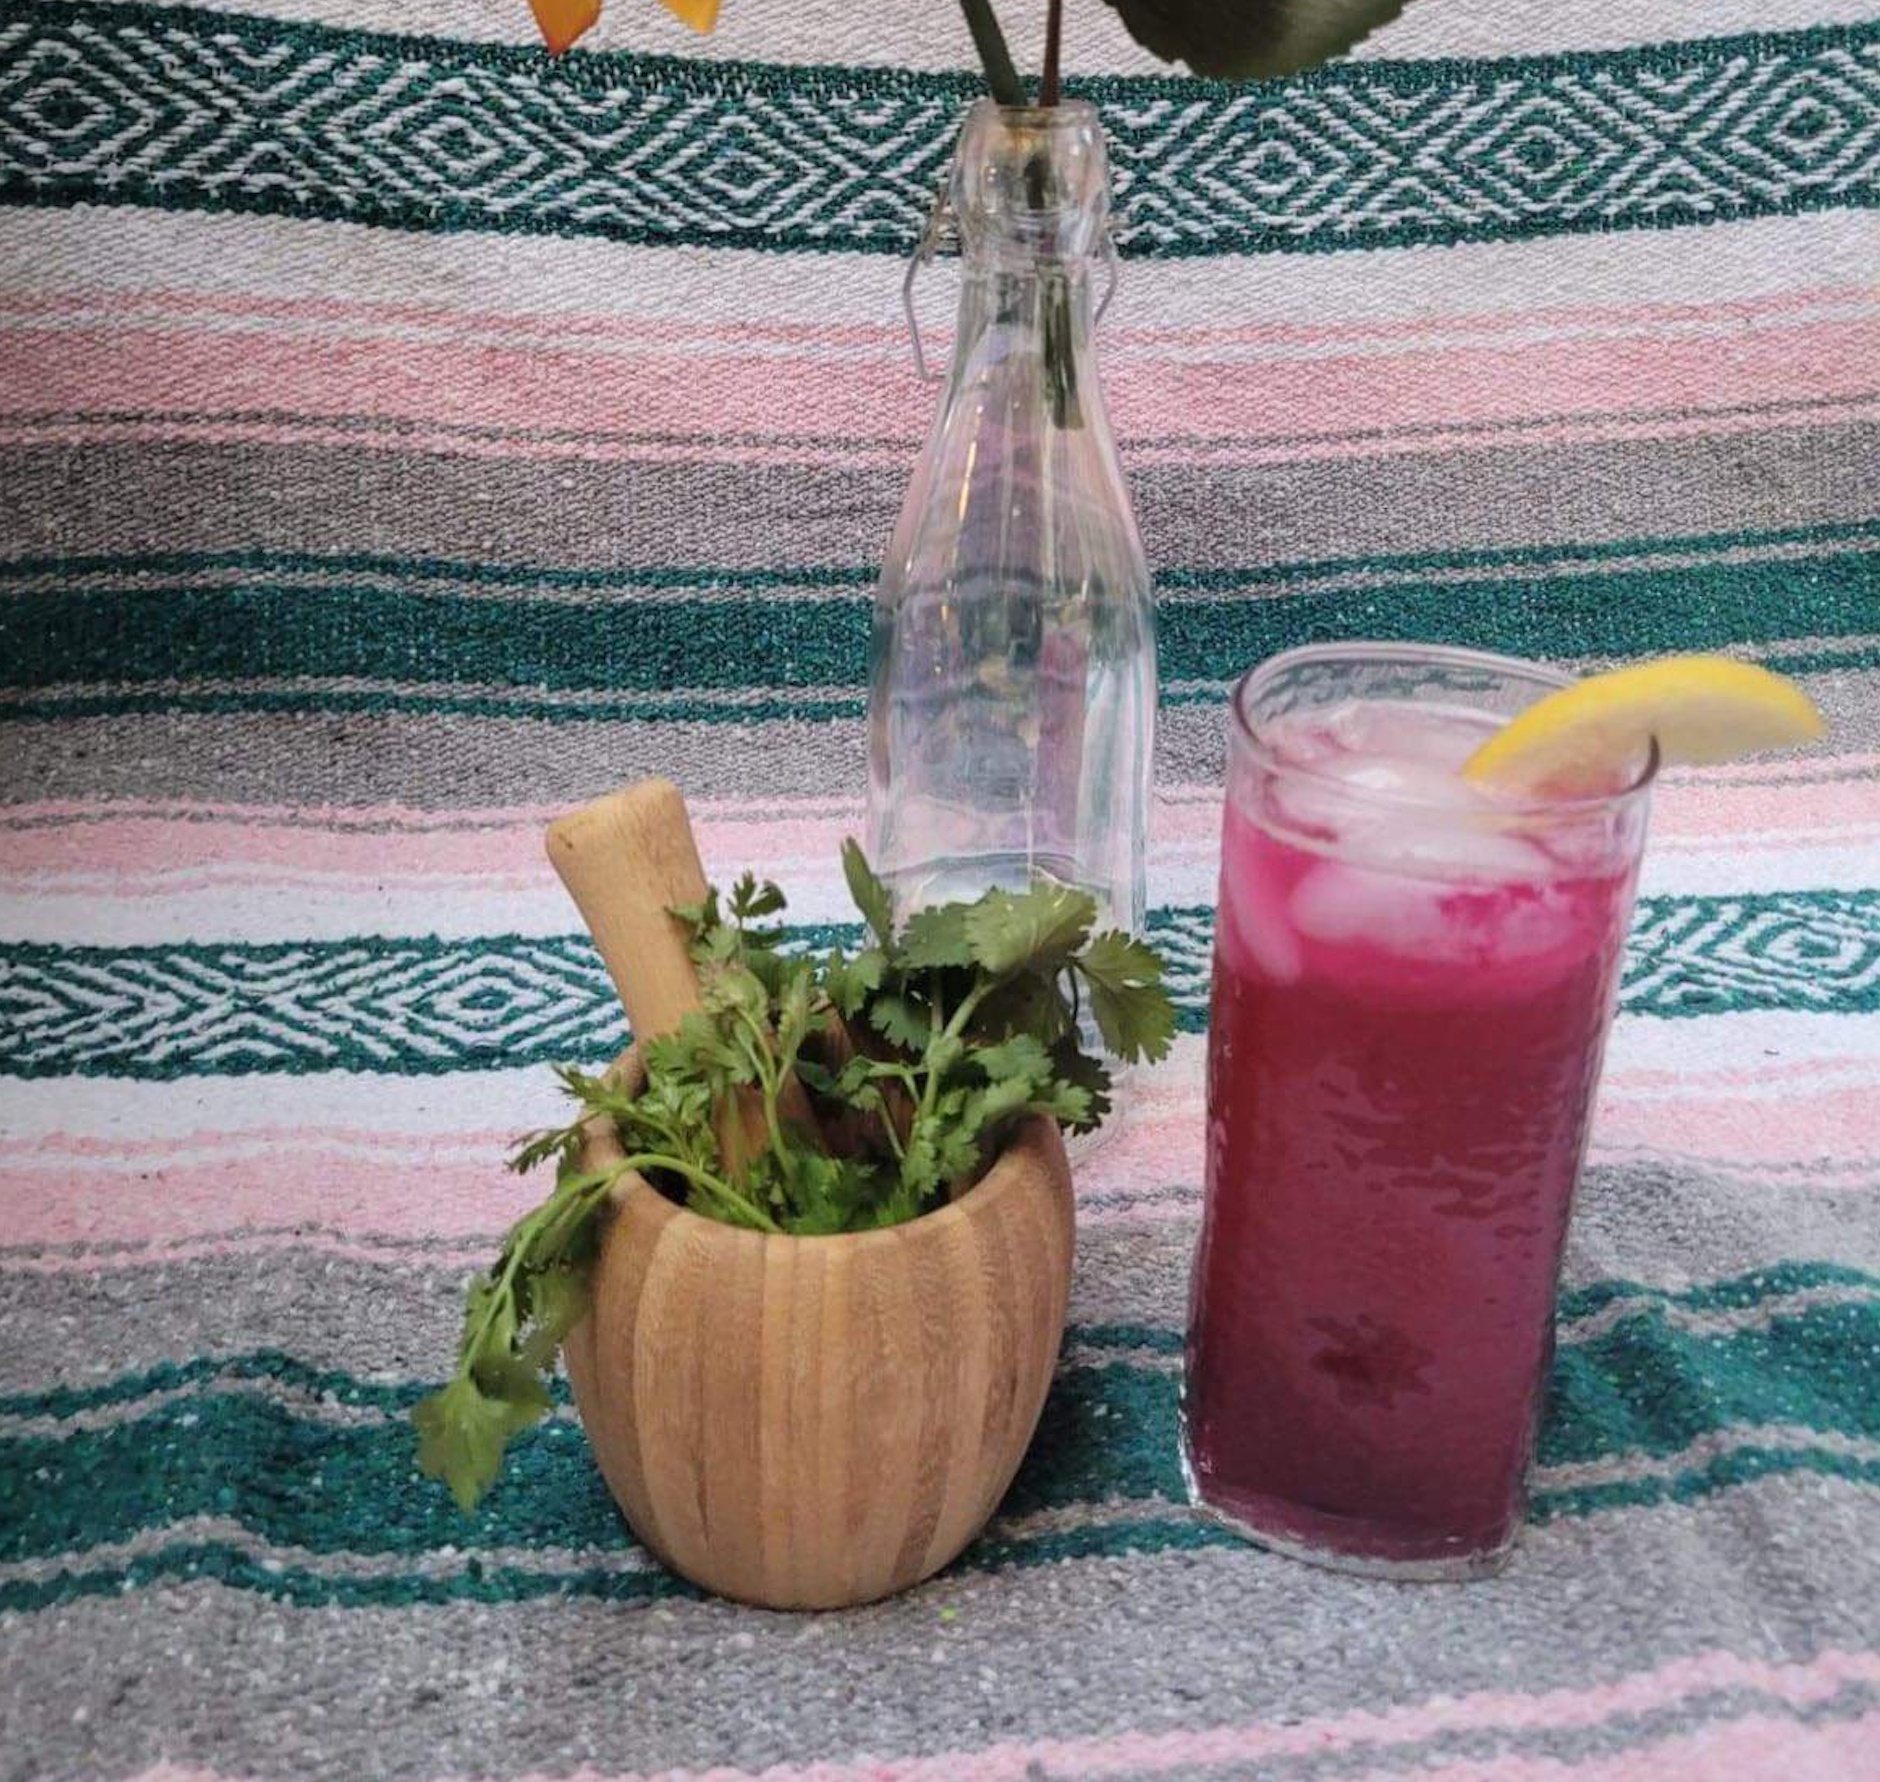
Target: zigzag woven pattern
(185, 109)
(424, 1005)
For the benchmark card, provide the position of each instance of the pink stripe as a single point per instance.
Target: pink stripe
(1720, 317)
(1744, 1130)
(1756, 1748)
(221, 1182)
(1285, 402)
(507, 845)
(1758, 1739)
(213, 1183)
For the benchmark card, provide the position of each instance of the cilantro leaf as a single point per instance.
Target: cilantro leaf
(1076, 1069)
(1036, 929)
(1069, 1104)
(462, 1432)
(796, 1006)
(847, 982)
(936, 937)
(900, 1020)
(751, 902)
(1029, 1003)
(871, 896)
(1132, 1010)
(1023, 1057)
(558, 1301)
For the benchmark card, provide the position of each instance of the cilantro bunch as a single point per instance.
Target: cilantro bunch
(919, 1052)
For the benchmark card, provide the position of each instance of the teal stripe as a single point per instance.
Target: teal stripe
(1107, 1436)
(56, 571)
(399, 649)
(424, 1005)
(1137, 1538)
(1734, 1293)
(159, 107)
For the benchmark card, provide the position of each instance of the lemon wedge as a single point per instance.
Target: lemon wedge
(1585, 738)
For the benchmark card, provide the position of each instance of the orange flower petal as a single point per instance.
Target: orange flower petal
(701, 15)
(562, 21)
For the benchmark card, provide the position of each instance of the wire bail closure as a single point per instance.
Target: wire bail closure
(942, 232)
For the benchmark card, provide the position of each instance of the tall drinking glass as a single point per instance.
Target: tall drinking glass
(1413, 982)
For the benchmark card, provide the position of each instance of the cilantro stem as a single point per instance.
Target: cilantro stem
(703, 1179)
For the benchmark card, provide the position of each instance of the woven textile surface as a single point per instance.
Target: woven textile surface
(405, 437)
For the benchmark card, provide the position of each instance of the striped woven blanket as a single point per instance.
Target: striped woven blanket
(404, 437)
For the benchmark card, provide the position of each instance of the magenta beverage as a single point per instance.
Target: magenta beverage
(1412, 987)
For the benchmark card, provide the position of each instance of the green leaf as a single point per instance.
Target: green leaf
(901, 1021)
(815, 1078)
(848, 982)
(1069, 1104)
(796, 1006)
(462, 1432)
(558, 1301)
(1252, 39)
(1031, 1003)
(696, 1051)
(535, 1148)
(750, 901)
(1074, 1067)
(871, 896)
(936, 937)
(1038, 928)
(1021, 1058)
(1133, 1012)
(921, 1173)
(700, 917)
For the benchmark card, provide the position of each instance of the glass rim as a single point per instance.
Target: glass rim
(1066, 111)
(1451, 655)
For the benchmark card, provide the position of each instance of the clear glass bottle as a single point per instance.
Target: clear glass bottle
(1012, 702)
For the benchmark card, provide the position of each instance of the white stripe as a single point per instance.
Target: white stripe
(262, 904)
(933, 35)
(506, 1102)
(311, 1407)
(1629, 1468)
(1713, 1321)
(95, 253)
(277, 1556)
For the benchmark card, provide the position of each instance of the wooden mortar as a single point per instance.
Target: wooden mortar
(798, 1422)
(813, 1422)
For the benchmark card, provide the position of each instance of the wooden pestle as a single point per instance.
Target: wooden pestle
(627, 859)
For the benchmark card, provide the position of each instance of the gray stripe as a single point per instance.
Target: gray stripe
(145, 497)
(434, 763)
(1151, 1643)
(707, 441)
(398, 1319)
(1191, 740)
(452, 763)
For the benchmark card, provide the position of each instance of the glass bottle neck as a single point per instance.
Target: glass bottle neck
(1025, 336)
